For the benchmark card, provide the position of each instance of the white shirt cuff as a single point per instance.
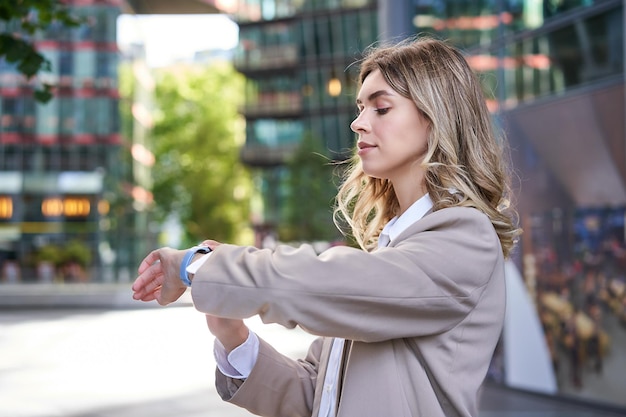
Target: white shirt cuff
(239, 362)
(195, 265)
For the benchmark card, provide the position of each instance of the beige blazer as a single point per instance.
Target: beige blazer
(422, 318)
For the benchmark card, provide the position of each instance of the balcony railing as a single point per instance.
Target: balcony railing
(261, 155)
(269, 57)
(276, 105)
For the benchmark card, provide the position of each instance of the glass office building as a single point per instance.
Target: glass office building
(553, 73)
(59, 160)
(296, 57)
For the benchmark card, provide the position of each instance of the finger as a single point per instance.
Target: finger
(210, 243)
(150, 296)
(148, 272)
(148, 261)
(149, 279)
(141, 281)
(154, 284)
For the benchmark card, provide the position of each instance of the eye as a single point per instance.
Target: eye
(382, 111)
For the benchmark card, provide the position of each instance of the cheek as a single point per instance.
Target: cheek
(422, 136)
(426, 143)
(417, 143)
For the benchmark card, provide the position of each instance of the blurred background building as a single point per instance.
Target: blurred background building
(297, 58)
(75, 171)
(58, 161)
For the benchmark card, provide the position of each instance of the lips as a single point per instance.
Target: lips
(364, 148)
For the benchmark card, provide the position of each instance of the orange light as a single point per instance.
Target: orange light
(69, 207)
(76, 207)
(52, 207)
(6, 207)
(334, 87)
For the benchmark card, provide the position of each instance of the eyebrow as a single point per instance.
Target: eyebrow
(374, 96)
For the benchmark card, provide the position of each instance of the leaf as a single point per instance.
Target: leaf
(33, 16)
(44, 94)
(30, 62)
(12, 48)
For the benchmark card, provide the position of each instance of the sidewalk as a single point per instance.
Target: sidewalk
(51, 334)
(88, 295)
(496, 401)
(501, 401)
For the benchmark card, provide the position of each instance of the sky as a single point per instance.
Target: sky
(168, 38)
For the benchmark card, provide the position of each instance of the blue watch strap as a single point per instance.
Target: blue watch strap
(184, 277)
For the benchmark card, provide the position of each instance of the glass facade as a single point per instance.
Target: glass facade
(297, 56)
(553, 74)
(58, 160)
(260, 10)
(541, 47)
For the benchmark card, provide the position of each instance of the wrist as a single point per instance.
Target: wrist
(188, 258)
(230, 332)
(234, 340)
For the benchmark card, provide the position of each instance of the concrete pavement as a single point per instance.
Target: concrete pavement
(130, 359)
(75, 295)
(497, 402)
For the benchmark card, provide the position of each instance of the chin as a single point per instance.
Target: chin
(374, 175)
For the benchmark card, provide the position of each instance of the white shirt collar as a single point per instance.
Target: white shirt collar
(415, 212)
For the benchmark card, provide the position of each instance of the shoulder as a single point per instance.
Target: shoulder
(456, 218)
(458, 242)
(461, 227)
(459, 213)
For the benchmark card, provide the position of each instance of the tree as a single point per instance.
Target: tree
(197, 136)
(311, 192)
(17, 47)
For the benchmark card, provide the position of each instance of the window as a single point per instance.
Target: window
(65, 63)
(322, 37)
(9, 120)
(274, 133)
(66, 113)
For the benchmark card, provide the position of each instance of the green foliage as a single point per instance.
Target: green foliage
(197, 136)
(18, 49)
(50, 253)
(58, 255)
(78, 252)
(311, 193)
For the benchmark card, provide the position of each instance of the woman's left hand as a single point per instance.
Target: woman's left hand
(158, 277)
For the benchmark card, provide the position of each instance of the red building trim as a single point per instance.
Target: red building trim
(48, 44)
(15, 138)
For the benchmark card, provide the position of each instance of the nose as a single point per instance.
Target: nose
(359, 125)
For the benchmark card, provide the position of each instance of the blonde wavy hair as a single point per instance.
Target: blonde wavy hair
(465, 162)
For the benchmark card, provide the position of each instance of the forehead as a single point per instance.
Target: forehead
(373, 84)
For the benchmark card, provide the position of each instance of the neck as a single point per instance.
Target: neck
(409, 187)
(406, 200)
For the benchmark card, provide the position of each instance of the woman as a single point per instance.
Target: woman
(408, 323)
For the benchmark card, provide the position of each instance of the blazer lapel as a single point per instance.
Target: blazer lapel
(327, 344)
(347, 346)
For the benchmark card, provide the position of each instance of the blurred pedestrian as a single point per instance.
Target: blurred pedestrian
(11, 271)
(409, 322)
